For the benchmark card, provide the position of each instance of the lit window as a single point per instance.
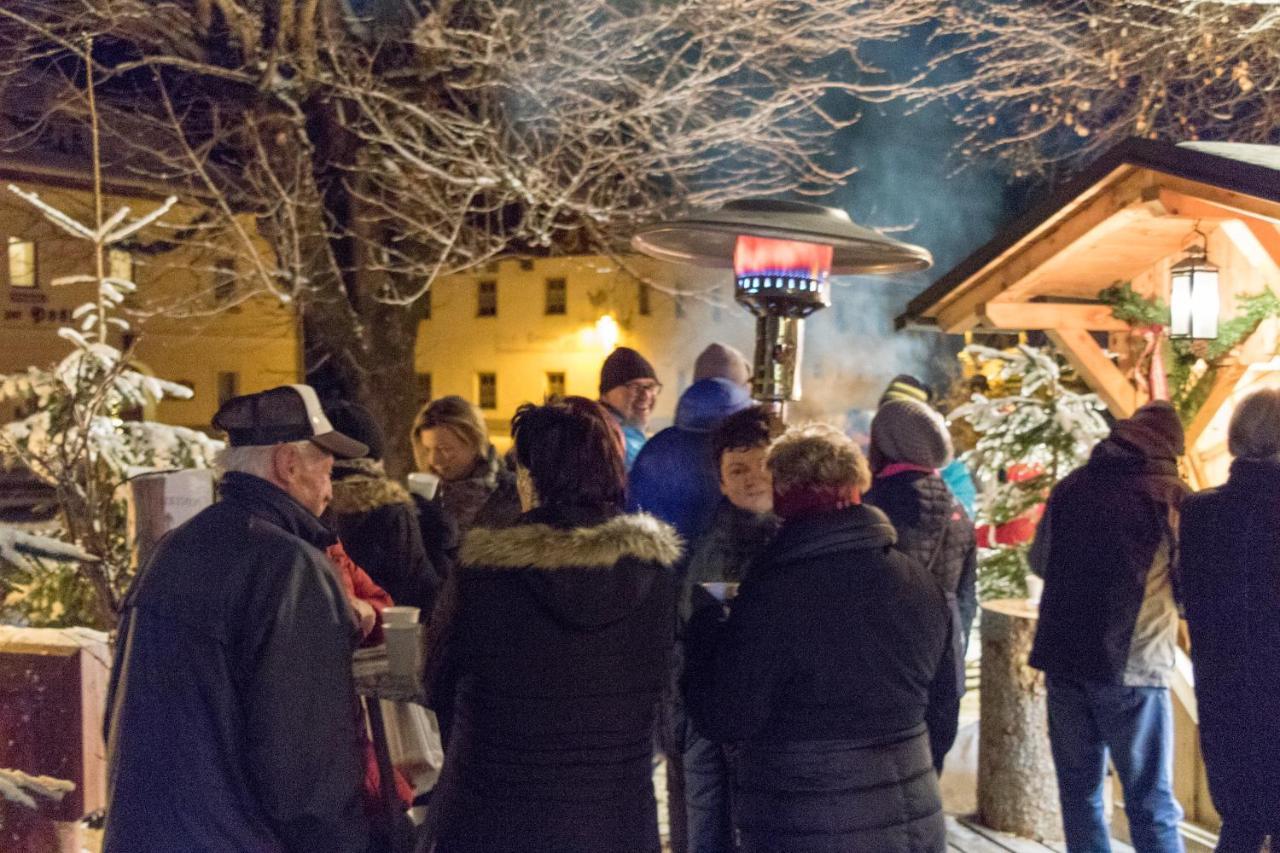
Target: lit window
(555, 384)
(487, 390)
(22, 263)
(487, 299)
(228, 386)
(224, 282)
(120, 265)
(557, 296)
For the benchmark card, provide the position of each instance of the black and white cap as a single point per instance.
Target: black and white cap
(280, 415)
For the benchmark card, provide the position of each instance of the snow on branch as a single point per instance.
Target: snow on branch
(22, 788)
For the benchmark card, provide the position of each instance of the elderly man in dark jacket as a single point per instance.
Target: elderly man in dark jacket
(1108, 625)
(822, 672)
(909, 447)
(231, 717)
(1229, 567)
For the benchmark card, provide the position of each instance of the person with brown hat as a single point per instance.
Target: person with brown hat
(629, 388)
(1108, 629)
(231, 714)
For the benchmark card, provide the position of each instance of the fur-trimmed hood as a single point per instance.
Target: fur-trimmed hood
(361, 493)
(618, 559)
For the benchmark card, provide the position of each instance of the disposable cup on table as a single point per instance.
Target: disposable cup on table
(400, 615)
(404, 650)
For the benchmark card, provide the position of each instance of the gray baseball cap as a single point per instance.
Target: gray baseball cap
(283, 414)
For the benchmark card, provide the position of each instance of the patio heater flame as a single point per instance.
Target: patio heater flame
(781, 282)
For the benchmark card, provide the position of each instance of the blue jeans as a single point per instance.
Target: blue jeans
(706, 795)
(1135, 724)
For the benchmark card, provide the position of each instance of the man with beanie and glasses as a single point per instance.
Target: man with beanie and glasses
(1108, 629)
(629, 388)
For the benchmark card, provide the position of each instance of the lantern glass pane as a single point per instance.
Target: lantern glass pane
(1180, 304)
(1204, 304)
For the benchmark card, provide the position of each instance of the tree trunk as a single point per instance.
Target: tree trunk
(1017, 789)
(391, 386)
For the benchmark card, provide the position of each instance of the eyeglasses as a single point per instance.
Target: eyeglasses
(644, 386)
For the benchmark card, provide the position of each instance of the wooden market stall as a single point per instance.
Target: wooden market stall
(1128, 219)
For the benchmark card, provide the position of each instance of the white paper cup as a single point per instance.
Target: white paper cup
(404, 650)
(400, 615)
(723, 591)
(423, 484)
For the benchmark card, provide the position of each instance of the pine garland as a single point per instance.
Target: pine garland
(1187, 392)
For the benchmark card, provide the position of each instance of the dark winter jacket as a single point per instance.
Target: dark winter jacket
(231, 715)
(1104, 547)
(1229, 568)
(822, 673)
(675, 477)
(378, 524)
(555, 649)
(486, 497)
(934, 530)
(727, 550)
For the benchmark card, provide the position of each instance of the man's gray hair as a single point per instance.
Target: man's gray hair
(254, 459)
(817, 455)
(1254, 432)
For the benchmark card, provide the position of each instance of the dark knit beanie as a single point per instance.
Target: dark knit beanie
(623, 365)
(1155, 430)
(911, 432)
(906, 387)
(356, 421)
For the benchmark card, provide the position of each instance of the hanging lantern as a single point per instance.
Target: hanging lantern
(1193, 297)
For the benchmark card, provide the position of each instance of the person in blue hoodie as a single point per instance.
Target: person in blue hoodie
(674, 476)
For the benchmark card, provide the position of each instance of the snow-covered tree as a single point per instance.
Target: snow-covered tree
(1049, 81)
(23, 788)
(379, 145)
(76, 440)
(1033, 429)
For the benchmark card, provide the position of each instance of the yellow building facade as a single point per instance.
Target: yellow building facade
(521, 329)
(191, 321)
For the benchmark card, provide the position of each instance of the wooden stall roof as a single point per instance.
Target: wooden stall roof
(1114, 219)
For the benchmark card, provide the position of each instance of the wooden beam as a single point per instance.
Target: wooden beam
(1236, 203)
(1265, 230)
(1075, 222)
(1084, 354)
(1027, 316)
(1224, 384)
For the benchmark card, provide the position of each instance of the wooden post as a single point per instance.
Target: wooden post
(1017, 789)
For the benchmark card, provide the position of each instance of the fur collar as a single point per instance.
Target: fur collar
(541, 546)
(359, 493)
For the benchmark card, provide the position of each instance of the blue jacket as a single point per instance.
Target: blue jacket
(674, 477)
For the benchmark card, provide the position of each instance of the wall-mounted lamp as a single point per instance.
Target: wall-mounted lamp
(1194, 301)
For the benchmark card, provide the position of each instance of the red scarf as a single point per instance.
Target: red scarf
(808, 500)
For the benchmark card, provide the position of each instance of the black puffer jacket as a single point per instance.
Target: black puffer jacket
(377, 522)
(934, 531)
(822, 675)
(554, 647)
(231, 716)
(1229, 568)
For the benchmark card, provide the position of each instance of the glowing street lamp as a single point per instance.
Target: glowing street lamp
(1194, 300)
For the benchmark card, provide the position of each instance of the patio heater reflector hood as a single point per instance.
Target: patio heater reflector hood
(782, 254)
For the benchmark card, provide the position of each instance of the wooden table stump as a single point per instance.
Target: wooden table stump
(1017, 789)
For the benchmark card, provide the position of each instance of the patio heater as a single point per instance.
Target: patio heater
(783, 254)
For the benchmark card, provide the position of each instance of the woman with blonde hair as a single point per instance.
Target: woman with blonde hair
(1229, 574)
(821, 673)
(476, 490)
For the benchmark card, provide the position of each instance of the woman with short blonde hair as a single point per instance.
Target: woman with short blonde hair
(821, 673)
